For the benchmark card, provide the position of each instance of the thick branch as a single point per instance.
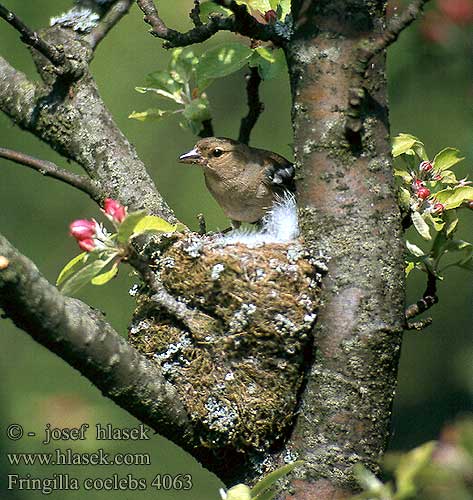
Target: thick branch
(31, 38)
(50, 169)
(81, 128)
(81, 336)
(363, 55)
(255, 106)
(118, 10)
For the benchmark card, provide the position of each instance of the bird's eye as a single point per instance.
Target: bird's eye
(217, 152)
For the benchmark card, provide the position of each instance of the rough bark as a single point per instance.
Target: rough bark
(350, 218)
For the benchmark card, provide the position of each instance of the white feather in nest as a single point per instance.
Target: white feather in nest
(279, 225)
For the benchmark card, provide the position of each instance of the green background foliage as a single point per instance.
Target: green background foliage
(431, 97)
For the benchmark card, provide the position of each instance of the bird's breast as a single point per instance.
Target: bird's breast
(243, 197)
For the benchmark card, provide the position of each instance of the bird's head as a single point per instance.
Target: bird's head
(212, 152)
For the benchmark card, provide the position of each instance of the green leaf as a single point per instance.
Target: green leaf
(421, 226)
(284, 6)
(270, 63)
(260, 5)
(404, 199)
(409, 467)
(195, 113)
(436, 222)
(405, 176)
(269, 480)
(267, 495)
(410, 266)
(177, 97)
(150, 114)
(127, 227)
(162, 79)
(221, 61)
(72, 267)
(404, 144)
(198, 110)
(414, 249)
(367, 480)
(447, 158)
(239, 492)
(209, 7)
(451, 221)
(82, 277)
(153, 223)
(182, 65)
(103, 278)
(453, 198)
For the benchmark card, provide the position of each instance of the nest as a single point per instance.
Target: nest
(239, 379)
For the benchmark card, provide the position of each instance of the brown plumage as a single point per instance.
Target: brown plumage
(243, 180)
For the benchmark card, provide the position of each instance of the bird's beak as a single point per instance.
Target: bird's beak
(192, 156)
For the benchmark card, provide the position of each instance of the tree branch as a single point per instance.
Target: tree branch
(194, 14)
(429, 299)
(81, 336)
(81, 128)
(31, 38)
(116, 12)
(255, 106)
(175, 38)
(50, 169)
(241, 22)
(363, 55)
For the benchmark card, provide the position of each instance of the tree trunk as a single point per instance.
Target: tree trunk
(350, 220)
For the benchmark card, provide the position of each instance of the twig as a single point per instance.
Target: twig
(428, 300)
(419, 325)
(255, 106)
(195, 14)
(241, 22)
(118, 10)
(202, 224)
(198, 323)
(31, 38)
(50, 169)
(364, 53)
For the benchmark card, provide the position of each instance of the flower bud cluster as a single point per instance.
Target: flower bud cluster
(91, 235)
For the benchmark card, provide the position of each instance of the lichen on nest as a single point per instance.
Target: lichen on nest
(240, 380)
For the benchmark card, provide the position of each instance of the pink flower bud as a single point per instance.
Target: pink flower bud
(417, 184)
(423, 193)
(83, 229)
(270, 16)
(439, 208)
(470, 204)
(426, 166)
(115, 210)
(87, 244)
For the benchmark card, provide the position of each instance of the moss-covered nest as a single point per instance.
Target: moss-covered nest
(239, 379)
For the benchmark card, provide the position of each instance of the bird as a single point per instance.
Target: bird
(245, 181)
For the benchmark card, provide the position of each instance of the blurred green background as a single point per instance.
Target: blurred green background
(431, 95)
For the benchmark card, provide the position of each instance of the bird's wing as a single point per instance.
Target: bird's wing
(279, 173)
